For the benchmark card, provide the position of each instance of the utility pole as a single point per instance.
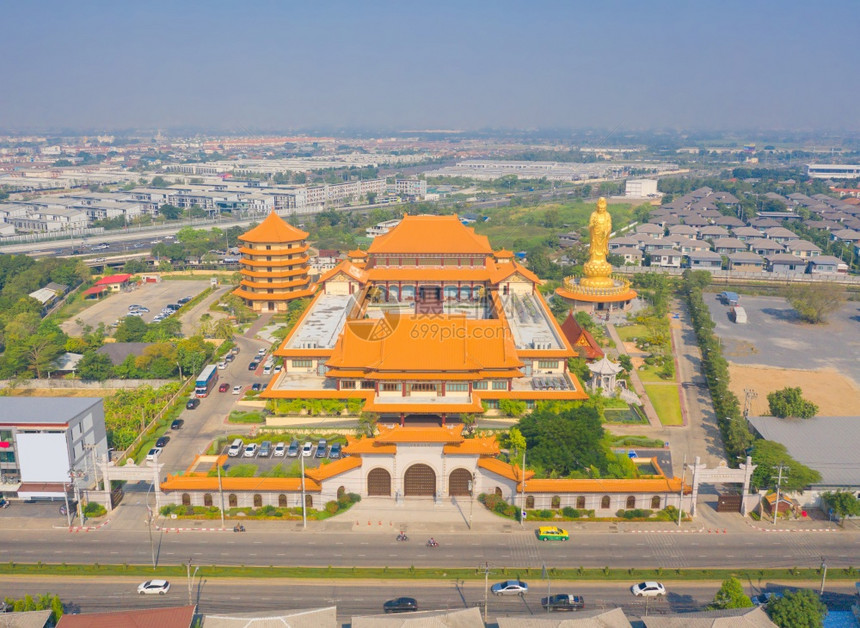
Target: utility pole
(304, 501)
(220, 490)
(471, 500)
(681, 493)
(823, 576)
(523, 500)
(781, 468)
(749, 396)
(486, 588)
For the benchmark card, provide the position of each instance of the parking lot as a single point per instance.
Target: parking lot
(265, 464)
(774, 336)
(153, 296)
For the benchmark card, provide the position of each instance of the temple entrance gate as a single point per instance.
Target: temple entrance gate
(721, 475)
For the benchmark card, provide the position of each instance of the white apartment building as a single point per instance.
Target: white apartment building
(641, 188)
(833, 171)
(411, 187)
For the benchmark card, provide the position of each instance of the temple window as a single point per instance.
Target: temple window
(500, 384)
(480, 386)
(390, 387)
(302, 363)
(347, 384)
(458, 387)
(547, 364)
(368, 385)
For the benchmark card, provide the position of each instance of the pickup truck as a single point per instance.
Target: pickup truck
(563, 602)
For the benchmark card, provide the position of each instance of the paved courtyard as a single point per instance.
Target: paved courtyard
(775, 337)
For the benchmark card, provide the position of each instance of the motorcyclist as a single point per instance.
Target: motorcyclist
(432, 542)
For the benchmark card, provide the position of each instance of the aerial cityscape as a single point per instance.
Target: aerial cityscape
(515, 315)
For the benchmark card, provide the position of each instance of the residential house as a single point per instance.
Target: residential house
(802, 248)
(746, 233)
(686, 245)
(826, 265)
(684, 230)
(781, 235)
(729, 222)
(705, 260)
(786, 264)
(764, 223)
(622, 242)
(764, 247)
(726, 198)
(632, 255)
(726, 246)
(845, 235)
(650, 229)
(653, 245)
(569, 239)
(746, 261)
(695, 220)
(666, 258)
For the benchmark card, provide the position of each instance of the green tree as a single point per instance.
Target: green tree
(730, 595)
(843, 503)
(158, 182)
(789, 402)
(797, 609)
(566, 441)
(769, 455)
(95, 367)
(814, 301)
(131, 329)
(170, 212)
(516, 442)
(223, 329)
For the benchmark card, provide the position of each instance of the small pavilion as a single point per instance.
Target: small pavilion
(603, 373)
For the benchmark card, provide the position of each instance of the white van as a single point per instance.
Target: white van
(267, 369)
(235, 448)
(739, 315)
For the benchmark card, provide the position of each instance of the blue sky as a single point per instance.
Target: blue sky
(251, 65)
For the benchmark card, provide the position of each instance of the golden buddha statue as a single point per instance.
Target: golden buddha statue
(597, 270)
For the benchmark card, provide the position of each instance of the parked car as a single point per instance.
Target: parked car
(261, 352)
(222, 365)
(256, 386)
(235, 448)
(322, 448)
(235, 350)
(335, 451)
(143, 308)
(307, 449)
(224, 387)
(400, 605)
(764, 598)
(153, 453)
(293, 450)
(237, 389)
(133, 307)
(229, 358)
(178, 423)
(648, 589)
(265, 449)
(280, 450)
(563, 602)
(278, 367)
(191, 404)
(153, 587)
(253, 365)
(162, 441)
(250, 450)
(183, 300)
(510, 587)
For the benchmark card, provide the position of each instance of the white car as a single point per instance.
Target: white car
(151, 587)
(648, 589)
(307, 449)
(280, 449)
(154, 453)
(510, 587)
(250, 450)
(237, 390)
(222, 365)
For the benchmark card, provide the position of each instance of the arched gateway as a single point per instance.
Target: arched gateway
(379, 483)
(419, 480)
(458, 483)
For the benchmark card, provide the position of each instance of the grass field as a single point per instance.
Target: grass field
(666, 402)
(649, 375)
(628, 332)
(61, 392)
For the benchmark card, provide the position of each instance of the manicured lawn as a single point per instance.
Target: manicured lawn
(629, 332)
(666, 403)
(649, 374)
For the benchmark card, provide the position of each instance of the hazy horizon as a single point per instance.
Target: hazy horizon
(389, 66)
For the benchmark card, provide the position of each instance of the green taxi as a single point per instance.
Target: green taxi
(552, 533)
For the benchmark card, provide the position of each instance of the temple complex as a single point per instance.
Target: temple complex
(429, 323)
(274, 265)
(597, 290)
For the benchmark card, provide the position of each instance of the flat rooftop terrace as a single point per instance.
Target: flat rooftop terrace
(529, 322)
(322, 325)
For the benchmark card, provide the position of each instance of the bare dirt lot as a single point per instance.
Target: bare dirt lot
(834, 393)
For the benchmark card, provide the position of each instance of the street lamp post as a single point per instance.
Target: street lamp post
(190, 578)
(823, 576)
(471, 500)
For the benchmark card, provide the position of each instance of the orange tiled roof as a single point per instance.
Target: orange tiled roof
(437, 407)
(587, 485)
(423, 273)
(206, 483)
(349, 269)
(503, 271)
(273, 229)
(276, 285)
(367, 446)
(578, 336)
(302, 259)
(512, 472)
(326, 471)
(290, 272)
(170, 617)
(487, 446)
(284, 251)
(398, 434)
(357, 253)
(436, 376)
(276, 296)
(409, 343)
(503, 254)
(424, 234)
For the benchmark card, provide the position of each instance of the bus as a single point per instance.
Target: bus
(206, 381)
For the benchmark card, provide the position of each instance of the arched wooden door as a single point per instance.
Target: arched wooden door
(458, 482)
(379, 483)
(420, 480)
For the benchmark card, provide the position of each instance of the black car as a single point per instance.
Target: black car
(183, 300)
(322, 448)
(162, 441)
(178, 423)
(335, 451)
(563, 602)
(253, 366)
(191, 404)
(256, 386)
(401, 605)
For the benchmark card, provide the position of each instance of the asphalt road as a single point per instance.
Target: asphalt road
(286, 545)
(216, 595)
